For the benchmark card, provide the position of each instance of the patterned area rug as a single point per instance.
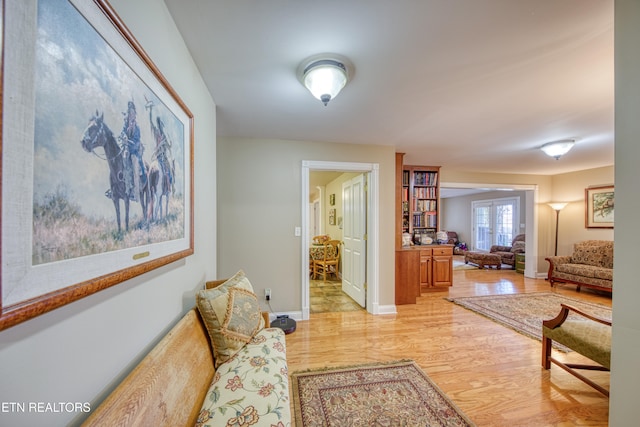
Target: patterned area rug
(525, 312)
(384, 394)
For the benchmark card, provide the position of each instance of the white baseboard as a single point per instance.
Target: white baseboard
(387, 309)
(295, 315)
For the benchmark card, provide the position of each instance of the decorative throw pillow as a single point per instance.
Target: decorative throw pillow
(231, 314)
(587, 254)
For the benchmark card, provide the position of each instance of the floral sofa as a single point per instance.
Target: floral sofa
(590, 265)
(218, 366)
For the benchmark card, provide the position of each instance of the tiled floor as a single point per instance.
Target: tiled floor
(325, 297)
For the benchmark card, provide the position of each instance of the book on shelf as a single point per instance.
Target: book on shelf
(431, 219)
(423, 205)
(424, 192)
(425, 178)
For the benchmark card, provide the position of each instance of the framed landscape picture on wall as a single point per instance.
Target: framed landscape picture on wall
(599, 207)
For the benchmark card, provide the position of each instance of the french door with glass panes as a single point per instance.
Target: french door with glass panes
(495, 222)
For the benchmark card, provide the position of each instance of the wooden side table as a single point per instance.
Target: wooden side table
(520, 262)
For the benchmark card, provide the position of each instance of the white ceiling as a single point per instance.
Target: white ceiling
(476, 85)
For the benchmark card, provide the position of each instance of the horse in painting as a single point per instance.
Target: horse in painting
(160, 186)
(98, 134)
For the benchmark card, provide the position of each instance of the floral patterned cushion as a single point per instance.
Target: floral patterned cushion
(231, 314)
(251, 388)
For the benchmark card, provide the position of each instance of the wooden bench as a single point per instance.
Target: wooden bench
(169, 385)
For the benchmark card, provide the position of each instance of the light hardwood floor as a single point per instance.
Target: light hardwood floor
(491, 372)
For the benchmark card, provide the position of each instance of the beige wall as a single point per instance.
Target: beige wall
(570, 187)
(77, 353)
(259, 205)
(335, 187)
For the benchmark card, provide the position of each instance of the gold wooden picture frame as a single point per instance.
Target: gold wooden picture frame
(599, 206)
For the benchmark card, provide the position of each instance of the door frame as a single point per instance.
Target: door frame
(531, 219)
(373, 214)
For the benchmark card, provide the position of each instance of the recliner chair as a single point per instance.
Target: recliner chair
(508, 253)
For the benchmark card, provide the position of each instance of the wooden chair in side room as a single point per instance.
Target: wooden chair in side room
(321, 239)
(316, 249)
(329, 263)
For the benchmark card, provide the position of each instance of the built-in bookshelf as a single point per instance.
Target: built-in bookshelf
(423, 266)
(405, 201)
(417, 200)
(421, 199)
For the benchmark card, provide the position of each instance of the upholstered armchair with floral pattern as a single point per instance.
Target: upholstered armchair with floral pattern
(508, 253)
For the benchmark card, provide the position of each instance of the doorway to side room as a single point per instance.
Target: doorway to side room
(369, 205)
(338, 212)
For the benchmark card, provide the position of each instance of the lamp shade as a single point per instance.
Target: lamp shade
(558, 206)
(558, 148)
(325, 78)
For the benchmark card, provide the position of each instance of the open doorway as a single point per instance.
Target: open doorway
(370, 203)
(337, 227)
(529, 226)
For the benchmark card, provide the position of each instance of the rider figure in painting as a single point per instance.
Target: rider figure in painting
(131, 137)
(163, 145)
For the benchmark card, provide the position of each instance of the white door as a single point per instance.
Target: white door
(482, 226)
(354, 259)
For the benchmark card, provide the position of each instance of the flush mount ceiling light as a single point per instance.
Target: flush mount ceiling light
(324, 75)
(558, 149)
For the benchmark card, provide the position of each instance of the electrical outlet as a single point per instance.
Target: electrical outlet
(267, 294)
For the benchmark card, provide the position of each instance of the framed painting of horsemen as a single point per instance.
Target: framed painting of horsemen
(97, 157)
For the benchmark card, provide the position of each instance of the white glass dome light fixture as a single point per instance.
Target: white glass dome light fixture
(558, 149)
(324, 75)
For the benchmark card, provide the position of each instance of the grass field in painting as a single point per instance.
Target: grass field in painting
(61, 231)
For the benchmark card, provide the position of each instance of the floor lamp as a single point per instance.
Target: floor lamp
(557, 207)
